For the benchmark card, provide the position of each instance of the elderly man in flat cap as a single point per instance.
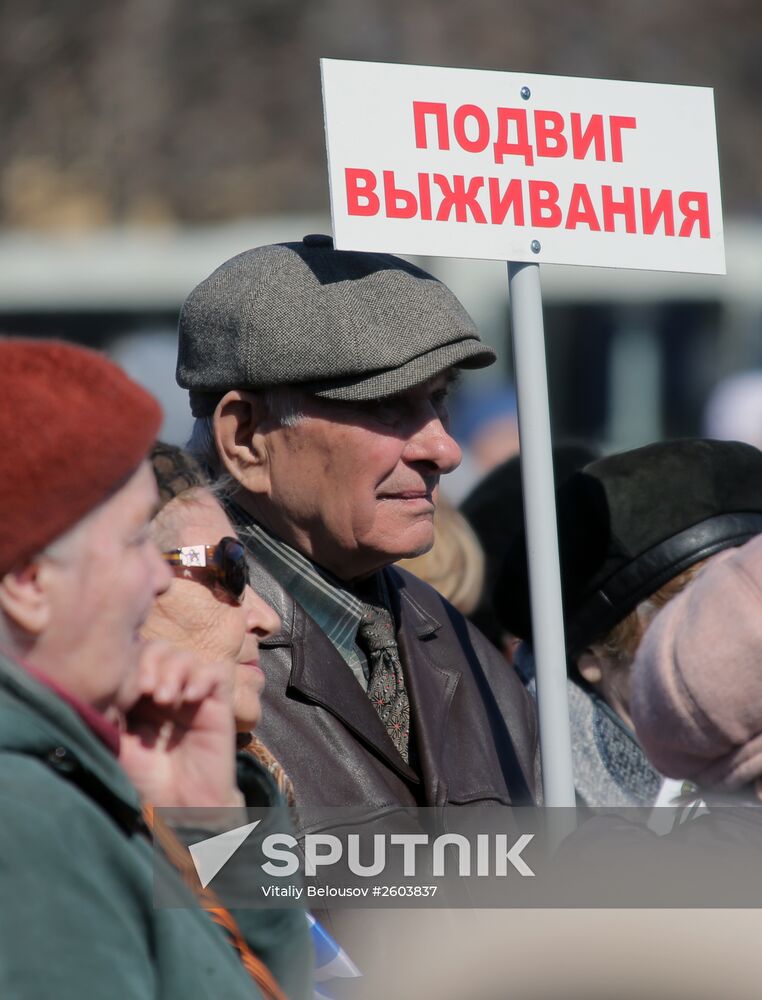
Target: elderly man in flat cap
(93, 720)
(319, 379)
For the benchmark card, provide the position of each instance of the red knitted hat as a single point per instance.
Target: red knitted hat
(74, 429)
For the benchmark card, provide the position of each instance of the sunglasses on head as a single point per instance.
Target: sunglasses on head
(226, 561)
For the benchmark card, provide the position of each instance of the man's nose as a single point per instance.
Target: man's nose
(260, 617)
(433, 443)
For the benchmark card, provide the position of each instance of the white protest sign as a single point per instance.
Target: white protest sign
(522, 167)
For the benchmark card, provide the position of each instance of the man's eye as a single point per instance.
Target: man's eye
(384, 410)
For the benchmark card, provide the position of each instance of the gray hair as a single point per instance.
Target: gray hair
(282, 405)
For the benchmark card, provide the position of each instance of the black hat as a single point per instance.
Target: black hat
(495, 510)
(629, 523)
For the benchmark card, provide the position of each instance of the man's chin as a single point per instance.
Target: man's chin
(419, 550)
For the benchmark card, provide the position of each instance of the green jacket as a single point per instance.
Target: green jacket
(77, 918)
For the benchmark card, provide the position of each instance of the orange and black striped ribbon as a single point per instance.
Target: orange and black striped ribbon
(179, 857)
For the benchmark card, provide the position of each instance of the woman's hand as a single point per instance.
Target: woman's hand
(178, 739)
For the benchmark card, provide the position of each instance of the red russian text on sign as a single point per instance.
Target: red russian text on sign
(538, 203)
(518, 132)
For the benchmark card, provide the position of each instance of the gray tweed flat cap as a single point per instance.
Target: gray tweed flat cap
(339, 324)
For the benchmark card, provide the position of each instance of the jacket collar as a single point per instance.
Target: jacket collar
(318, 673)
(36, 721)
(406, 608)
(106, 731)
(431, 683)
(324, 679)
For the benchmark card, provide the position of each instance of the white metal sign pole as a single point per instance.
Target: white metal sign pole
(542, 542)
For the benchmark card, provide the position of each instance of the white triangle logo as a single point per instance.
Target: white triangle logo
(210, 855)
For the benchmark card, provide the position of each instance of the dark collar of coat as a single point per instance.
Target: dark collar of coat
(319, 674)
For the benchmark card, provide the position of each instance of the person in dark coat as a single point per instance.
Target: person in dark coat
(634, 528)
(319, 379)
(495, 510)
(696, 703)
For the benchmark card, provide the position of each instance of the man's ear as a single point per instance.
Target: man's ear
(24, 601)
(241, 441)
(589, 667)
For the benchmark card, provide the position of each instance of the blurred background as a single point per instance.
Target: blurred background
(145, 141)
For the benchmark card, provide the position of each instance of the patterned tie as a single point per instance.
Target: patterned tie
(386, 689)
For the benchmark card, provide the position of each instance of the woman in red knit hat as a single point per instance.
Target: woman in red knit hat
(94, 720)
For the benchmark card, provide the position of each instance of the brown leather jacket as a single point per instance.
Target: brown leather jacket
(473, 722)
